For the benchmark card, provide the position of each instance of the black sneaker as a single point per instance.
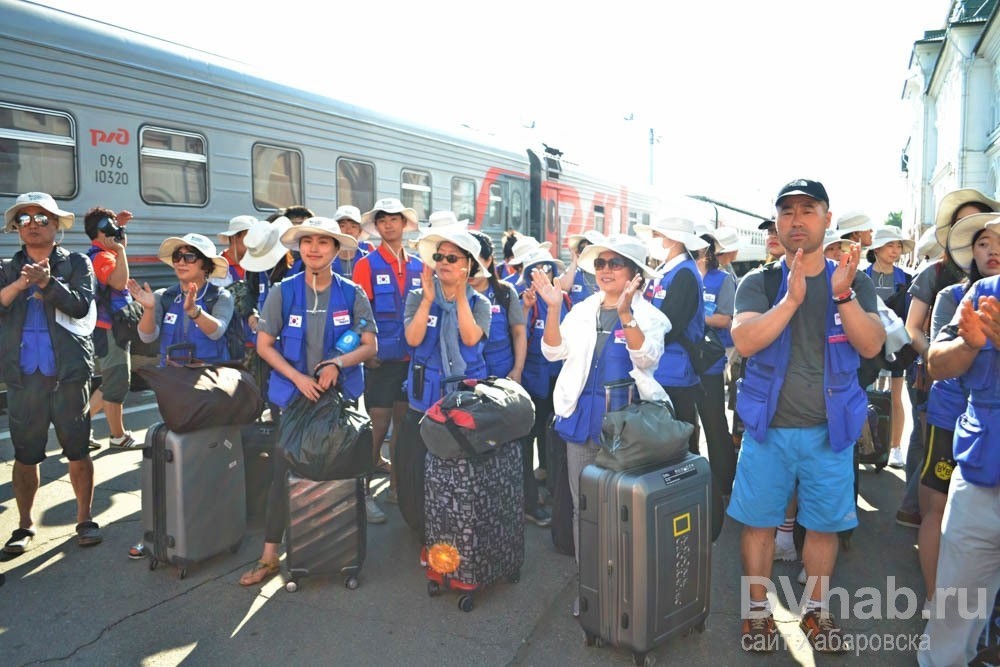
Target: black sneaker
(539, 516)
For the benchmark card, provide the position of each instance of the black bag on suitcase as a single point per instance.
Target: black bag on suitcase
(193, 495)
(326, 529)
(645, 553)
(408, 464)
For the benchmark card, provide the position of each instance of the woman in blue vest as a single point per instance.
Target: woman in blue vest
(678, 293)
(969, 349)
(975, 248)
(574, 281)
(612, 335)
(192, 311)
(301, 322)
(891, 283)
(446, 324)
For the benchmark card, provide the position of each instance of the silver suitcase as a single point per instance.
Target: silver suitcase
(193, 495)
(645, 553)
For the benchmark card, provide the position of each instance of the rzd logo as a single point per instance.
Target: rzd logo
(119, 136)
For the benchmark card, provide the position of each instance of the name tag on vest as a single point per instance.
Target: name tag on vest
(295, 321)
(659, 293)
(341, 318)
(260, 288)
(620, 336)
(381, 279)
(709, 297)
(170, 318)
(836, 319)
(432, 320)
(495, 308)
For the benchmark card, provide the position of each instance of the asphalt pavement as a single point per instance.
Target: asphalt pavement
(65, 604)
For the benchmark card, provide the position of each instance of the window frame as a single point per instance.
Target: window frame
(412, 187)
(373, 185)
(464, 179)
(167, 154)
(50, 139)
(253, 177)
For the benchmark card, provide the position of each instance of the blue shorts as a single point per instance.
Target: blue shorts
(767, 473)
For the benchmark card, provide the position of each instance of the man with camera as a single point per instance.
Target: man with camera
(106, 230)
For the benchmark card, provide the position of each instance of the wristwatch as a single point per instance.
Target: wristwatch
(631, 324)
(197, 313)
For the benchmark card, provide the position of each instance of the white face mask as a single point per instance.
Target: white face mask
(656, 249)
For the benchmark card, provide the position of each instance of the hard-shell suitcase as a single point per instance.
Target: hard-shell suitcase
(326, 532)
(193, 494)
(474, 521)
(645, 552)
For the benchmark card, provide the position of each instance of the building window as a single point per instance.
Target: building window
(37, 151)
(277, 177)
(173, 167)
(356, 184)
(463, 198)
(415, 192)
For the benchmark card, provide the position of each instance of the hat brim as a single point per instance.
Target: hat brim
(533, 261)
(410, 215)
(765, 224)
(689, 240)
(908, 244)
(927, 244)
(591, 236)
(64, 218)
(166, 251)
(953, 201)
(290, 237)
(428, 245)
(961, 234)
(591, 252)
(224, 237)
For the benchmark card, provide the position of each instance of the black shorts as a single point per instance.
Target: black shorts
(938, 464)
(41, 401)
(384, 385)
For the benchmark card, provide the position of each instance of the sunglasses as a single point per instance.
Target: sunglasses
(188, 257)
(440, 257)
(544, 268)
(40, 219)
(614, 263)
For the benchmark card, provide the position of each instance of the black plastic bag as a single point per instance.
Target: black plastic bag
(327, 439)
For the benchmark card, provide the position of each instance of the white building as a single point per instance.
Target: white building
(953, 93)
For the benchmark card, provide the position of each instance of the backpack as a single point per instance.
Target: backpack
(124, 321)
(235, 335)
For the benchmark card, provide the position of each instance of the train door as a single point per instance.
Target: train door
(506, 206)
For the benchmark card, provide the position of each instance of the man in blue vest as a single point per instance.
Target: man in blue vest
(47, 315)
(802, 408)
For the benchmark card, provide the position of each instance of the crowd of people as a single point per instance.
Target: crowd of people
(430, 307)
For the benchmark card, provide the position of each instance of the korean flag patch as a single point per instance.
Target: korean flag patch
(295, 321)
(170, 318)
(432, 320)
(381, 279)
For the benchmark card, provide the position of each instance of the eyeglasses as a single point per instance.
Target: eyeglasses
(40, 219)
(614, 263)
(188, 257)
(452, 259)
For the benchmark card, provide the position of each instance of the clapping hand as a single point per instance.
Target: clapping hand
(843, 275)
(546, 291)
(144, 295)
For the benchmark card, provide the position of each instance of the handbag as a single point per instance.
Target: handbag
(705, 352)
(125, 323)
(640, 433)
(327, 439)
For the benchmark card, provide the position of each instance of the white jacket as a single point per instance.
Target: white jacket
(579, 338)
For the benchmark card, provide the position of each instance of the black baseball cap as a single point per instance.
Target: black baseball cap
(764, 224)
(803, 186)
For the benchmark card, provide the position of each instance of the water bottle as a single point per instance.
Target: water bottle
(350, 339)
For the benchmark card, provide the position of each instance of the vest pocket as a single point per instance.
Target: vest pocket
(847, 410)
(844, 358)
(752, 408)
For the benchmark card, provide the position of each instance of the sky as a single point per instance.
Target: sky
(741, 96)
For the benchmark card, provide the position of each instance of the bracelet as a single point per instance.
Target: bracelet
(844, 298)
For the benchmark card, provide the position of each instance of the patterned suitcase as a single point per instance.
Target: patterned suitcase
(474, 522)
(326, 530)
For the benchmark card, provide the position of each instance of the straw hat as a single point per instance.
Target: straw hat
(961, 235)
(953, 201)
(263, 242)
(203, 244)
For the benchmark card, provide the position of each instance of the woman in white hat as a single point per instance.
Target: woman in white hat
(578, 283)
(301, 326)
(611, 335)
(679, 294)
(192, 311)
(522, 248)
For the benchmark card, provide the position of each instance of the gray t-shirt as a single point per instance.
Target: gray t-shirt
(317, 307)
(480, 309)
(515, 313)
(922, 286)
(945, 308)
(801, 403)
(885, 285)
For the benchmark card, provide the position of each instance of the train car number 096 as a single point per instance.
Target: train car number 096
(112, 173)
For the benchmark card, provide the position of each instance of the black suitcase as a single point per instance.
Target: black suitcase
(475, 520)
(645, 553)
(880, 424)
(326, 529)
(193, 495)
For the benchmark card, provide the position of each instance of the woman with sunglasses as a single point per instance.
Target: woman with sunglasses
(192, 311)
(611, 335)
(445, 321)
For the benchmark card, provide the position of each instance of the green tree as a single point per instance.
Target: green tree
(895, 218)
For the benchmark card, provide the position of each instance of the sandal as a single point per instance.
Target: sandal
(19, 541)
(137, 552)
(88, 533)
(260, 573)
(383, 467)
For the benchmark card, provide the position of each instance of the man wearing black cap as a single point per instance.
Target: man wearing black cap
(802, 407)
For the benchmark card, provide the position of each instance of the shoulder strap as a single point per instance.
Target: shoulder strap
(772, 281)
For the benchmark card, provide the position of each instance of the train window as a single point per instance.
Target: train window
(356, 183)
(599, 218)
(415, 192)
(277, 177)
(463, 198)
(516, 210)
(494, 211)
(37, 151)
(173, 167)
(633, 218)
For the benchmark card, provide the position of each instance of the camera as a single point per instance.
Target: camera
(108, 227)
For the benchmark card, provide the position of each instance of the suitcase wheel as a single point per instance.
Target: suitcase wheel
(433, 588)
(182, 573)
(466, 603)
(590, 639)
(292, 586)
(644, 659)
(153, 563)
(351, 583)
(514, 578)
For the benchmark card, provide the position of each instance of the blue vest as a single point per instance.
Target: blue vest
(675, 368)
(291, 341)
(947, 399)
(711, 286)
(428, 354)
(539, 371)
(580, 289)
(499, 349)
(613, 364)
(338, 266)
(846, 402)
(388, 304)
(172, 327)
(977, 434)
(36, 344)
(119, 298)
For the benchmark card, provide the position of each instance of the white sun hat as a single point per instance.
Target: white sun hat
(854, 221)
(240, 223)
(441, 220)
(887, 234)
(591, 236)
(524, 246)
(675, 229)
(428, 245)
(204, 246)
(540, 256)
(263, 242)
(726, 239)
(927, 244)
(389, 205)
(953, 201)
(962, 232)
(830, 237)
(321, 226)
(627, 246)
(42, 200)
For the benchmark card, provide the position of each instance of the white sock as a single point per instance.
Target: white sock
(784, 537)
(814, 605)
(759, 608)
